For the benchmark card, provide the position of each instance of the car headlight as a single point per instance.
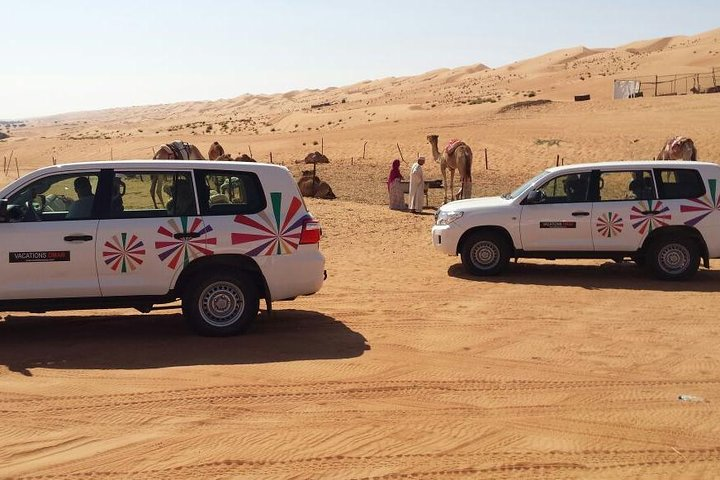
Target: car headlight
(446, 218)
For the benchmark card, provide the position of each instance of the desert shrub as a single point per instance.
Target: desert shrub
(525, 104)
(479, 100)
(549, 142)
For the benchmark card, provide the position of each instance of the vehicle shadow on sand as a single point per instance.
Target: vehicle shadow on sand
(142, 341)
(609, 275)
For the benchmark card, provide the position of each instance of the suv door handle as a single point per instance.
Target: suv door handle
(182, 236)
(580, 214)
(78, 238)
(650, 212)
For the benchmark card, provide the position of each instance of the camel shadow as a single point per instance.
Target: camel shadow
(609, 275)
(163, 340)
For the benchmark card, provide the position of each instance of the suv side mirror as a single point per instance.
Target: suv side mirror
(536, 196)
(4, 211)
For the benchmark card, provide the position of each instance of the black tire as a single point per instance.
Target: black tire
(673, 258)
(485, 253)
(220, 305)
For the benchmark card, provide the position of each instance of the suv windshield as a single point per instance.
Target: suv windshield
(524, 186)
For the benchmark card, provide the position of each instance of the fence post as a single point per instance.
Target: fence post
(656, 84)
(486, 160)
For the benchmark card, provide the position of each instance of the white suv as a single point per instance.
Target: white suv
(218, 235)
(665, 215)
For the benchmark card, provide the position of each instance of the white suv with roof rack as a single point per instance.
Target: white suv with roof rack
(223, 236)
(663, 214)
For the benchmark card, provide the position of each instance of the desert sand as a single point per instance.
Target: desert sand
(402, 366)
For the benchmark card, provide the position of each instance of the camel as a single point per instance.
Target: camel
(316, 188)
(176, 150)
(456, 155)
(217, 152)
(245, 158)
(678, 148)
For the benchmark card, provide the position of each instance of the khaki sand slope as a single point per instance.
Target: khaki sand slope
(402, 366)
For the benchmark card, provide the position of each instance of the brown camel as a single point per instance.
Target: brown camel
(678, 148)
(456, 155)
(217, 152)
(316, 188)
(245, 158)
(176, 150)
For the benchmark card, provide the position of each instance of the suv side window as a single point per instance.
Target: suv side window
(630, 185)
(571, 188)
(679, 183)
(228, 192)
(57, 197)
(131, 196)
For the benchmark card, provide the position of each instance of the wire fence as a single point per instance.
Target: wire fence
(679, 84)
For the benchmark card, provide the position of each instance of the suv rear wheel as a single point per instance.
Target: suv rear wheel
(221, 305)
(485, 253)
(674, 258)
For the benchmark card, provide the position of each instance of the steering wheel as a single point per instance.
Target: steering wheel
(43, 203)
(30, 214)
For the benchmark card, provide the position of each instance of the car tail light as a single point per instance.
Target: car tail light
(311, 232)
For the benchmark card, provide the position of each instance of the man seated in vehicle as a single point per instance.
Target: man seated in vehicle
(182, 201)
(116, 201)
(576, 188)
(82, 207)
(640, 187)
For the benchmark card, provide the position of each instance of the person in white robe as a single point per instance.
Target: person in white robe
(417, 187)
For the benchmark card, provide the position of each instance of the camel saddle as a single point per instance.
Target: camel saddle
(180, 150)
(452, 145)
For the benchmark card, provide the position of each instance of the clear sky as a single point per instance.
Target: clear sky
(61, 56)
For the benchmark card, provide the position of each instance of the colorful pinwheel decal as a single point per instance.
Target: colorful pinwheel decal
(702, 207)
(272, 236)
(609, 224)
(184, 242)
(648, 215)
(123, 254)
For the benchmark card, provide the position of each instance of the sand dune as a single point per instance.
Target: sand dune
(402, 366)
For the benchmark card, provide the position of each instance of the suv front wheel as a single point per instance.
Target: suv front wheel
(221, 304)
(485, 253)
(674, 258)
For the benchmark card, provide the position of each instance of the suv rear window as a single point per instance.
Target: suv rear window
(228, 192)
(679, 183)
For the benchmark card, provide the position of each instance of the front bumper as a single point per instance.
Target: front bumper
(445, 239)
